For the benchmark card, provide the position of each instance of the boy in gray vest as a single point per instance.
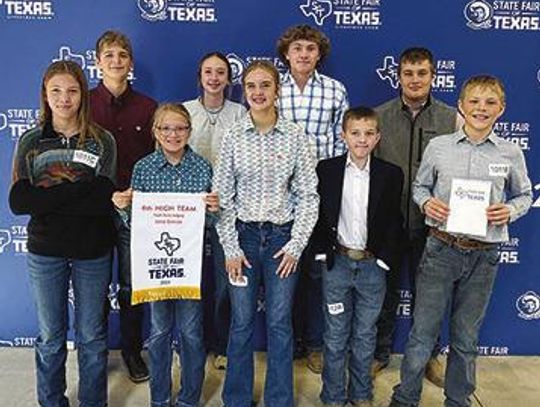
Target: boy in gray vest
(408, 122)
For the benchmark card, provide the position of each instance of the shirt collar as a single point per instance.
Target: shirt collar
(406, 107)
(105, 94)
(351, 164)
(48, 132)
(287, 77)
(248, 125)
(161, 161)
(461, 136)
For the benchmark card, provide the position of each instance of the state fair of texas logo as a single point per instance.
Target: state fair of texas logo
(237, 67)
(520, 15)
(528, 305)
(319, 10)
(444, 79)
(153, 10)
(389, 71)
(168, 243)
(347, 14)
(478, 14)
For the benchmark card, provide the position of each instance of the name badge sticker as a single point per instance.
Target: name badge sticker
(86, 158)
(241, 282)
(499, 170)
(336, 309)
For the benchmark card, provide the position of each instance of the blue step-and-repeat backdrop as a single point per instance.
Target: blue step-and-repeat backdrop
(169, 37)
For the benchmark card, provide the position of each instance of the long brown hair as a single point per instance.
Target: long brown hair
(223, 59)
(86, 127)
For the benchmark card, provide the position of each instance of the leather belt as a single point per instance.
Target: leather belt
(459, 242)
(353, 254)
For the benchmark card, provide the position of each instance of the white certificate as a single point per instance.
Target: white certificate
(469, 199)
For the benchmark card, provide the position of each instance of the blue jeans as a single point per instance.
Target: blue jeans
(222, 304)
(413, 247)
(131, 316)
(49, 283)
(308, 311)
(260, 241)
(462, 279)
(188, 317)
(353, 294)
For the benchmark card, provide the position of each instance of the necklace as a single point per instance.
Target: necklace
(212, 113)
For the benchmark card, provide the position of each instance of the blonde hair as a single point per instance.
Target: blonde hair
(165, 108)
(265, 66)
(483, 82)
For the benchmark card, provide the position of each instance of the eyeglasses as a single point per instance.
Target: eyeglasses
(167, 131)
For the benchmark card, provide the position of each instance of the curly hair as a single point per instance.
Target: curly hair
(302, 32)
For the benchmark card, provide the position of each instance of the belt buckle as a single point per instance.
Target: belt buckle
(466, 243)
(356, 254)
(460, 242)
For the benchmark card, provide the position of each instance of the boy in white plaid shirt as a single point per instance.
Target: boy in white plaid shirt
(317, 103)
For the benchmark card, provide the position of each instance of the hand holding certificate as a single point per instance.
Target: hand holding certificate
(498, 214)
(469, 200)
(436, 209)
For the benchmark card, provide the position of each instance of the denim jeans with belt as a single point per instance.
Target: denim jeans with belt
(49, 282)
(353, 294)
(260, 241)
(463, 280)
(187, 314)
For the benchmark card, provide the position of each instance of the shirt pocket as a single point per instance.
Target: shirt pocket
(283, 160)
